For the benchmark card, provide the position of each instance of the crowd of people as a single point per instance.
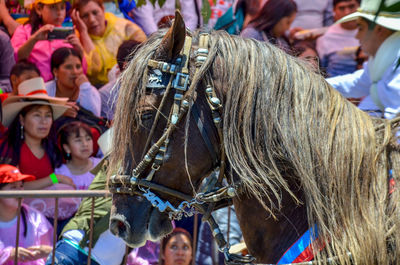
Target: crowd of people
(59, 67)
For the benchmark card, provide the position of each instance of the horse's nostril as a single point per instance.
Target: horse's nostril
(119, 227)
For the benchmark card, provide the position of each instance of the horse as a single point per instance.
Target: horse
(296, 155)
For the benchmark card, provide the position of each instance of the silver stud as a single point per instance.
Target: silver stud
(201, 58)
(165, 67)
(159, 157)
(231, 192)
(185, 103)
(178, 96)
(112, 178)
(133, 181)
(147, 158)
(174, 119)
(217, 120)
(173, 69)
(202, 50)
(215, 101)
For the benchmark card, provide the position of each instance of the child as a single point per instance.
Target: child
(77, 146)
(36, 233)
(21, 71)
(30, 41)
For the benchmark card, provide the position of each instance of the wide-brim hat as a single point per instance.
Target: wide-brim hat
(31, 92)
(10, 174)
(388, 17)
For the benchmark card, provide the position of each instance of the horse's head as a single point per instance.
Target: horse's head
(171, 141)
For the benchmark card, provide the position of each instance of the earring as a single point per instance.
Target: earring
(22, 132)
(68, 155)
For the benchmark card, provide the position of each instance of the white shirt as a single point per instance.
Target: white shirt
(89, 97)
(358, 84)
(313, 14)
(108, 250)
(336, 39)
(147, 16)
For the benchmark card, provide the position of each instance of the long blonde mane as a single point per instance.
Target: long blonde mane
(280, 117)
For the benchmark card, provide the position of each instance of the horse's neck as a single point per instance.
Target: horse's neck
(267, 238)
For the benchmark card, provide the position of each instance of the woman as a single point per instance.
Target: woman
(101, 34)
(30, 41)
(27, 143)
(177, 248)
(271, 23)
(70, 82)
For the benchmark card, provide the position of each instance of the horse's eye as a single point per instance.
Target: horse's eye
(149, 91)
(147, 115)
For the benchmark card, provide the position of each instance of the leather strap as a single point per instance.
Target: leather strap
(204, 134)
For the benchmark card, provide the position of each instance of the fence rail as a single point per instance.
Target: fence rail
(56, 194)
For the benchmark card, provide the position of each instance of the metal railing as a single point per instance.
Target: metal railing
(56, 194)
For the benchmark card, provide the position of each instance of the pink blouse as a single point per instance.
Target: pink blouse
(41, 52)
(38, 232)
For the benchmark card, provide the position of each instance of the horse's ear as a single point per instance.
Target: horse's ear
(174, 40)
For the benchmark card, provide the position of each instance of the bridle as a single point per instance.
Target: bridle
(175, 75)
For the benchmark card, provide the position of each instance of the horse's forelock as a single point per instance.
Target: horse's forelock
(132, 90)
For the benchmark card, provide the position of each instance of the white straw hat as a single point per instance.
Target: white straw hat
(31, 92)
(388, 17)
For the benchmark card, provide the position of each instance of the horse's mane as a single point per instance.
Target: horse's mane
(280, 118)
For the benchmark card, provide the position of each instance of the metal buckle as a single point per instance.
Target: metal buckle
(158, 203)
(165, 67)
(181, 81)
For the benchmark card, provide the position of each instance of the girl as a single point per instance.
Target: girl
(77, 145)
(30, 40)
(271, 23)
(36, 233)
(70, 81)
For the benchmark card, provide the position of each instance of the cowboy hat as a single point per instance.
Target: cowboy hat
(388, 17)
(31, 92)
